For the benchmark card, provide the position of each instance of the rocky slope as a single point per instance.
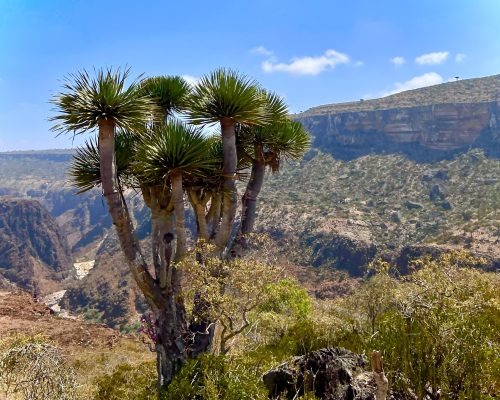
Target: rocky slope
(337, 214)
(427, 124)
(34, 253)
(108, 293)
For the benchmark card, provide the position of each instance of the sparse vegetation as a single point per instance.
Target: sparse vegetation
(35, 369)
(368, 198)
(437, 329)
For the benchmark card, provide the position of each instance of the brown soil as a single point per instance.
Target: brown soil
(21, 314)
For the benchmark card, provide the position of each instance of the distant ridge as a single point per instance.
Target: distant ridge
(475, 90)
(37, 152)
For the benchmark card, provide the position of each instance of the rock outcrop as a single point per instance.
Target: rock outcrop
(331, 374)
(426, 124)
(341, 251)
(34, 254)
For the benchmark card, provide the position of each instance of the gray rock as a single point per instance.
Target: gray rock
(446, 205)
(412, 205)
(436, 193)
(331, 374)
(396, 217)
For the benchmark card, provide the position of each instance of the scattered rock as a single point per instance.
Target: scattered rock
(412, 205)
(436, 193)
(396, 217)
(443, 175)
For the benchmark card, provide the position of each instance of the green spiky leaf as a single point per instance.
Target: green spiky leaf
(88, 99)
(173, 147)
(170, 93)
(226, 94)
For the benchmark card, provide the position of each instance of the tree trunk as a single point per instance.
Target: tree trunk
(199, 212)
(120, 216)
(229, 194)
(200, 328)
(213, 215)
(180, 226)
(249, 199)
(165, 236)
(167, 304)
(171, 333)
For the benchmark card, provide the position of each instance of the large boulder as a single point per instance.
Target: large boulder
(331, 374)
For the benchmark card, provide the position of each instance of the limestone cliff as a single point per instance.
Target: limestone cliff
(426, 124)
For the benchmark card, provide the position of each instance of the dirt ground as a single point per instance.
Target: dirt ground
(20, 313)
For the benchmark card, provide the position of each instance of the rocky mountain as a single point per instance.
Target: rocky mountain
(34, 253)
(427, 124)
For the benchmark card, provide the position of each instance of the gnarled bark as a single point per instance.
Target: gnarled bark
(171, 332)
(214, 213)
(198, 202)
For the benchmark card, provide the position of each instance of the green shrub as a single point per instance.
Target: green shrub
(128, 382)
(287, 297)
(441, 336)
(217, 378)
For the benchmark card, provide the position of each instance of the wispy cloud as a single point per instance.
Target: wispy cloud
(308, 65)
(427, 79)
(459, 57)
(435, 58)
(262, 51)
(398, 61)
(192, 80)
(359, 63)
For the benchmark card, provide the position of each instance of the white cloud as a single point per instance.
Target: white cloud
(262, 51)
(397, 61)
(308, 65)
(435, 58)
(427, 79)
(192, 80)
(359, 63)
(459, 57)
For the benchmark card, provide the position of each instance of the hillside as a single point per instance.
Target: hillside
(91, 350)
(342, 214)
(34, 253)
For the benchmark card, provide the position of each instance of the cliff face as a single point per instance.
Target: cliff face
(34, 253)
(426, 124)
(423, 133)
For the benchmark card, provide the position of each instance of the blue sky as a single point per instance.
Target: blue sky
(311, 52)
